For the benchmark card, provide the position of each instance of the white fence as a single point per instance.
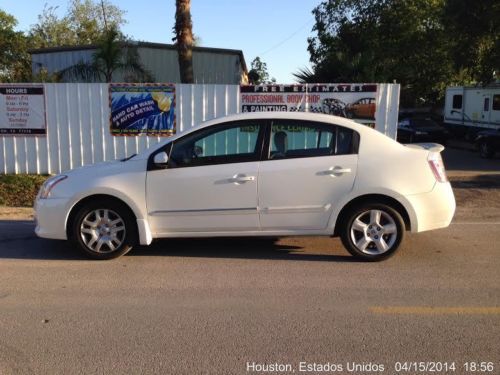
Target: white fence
(78, 125)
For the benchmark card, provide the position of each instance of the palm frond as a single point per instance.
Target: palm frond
(81, 71)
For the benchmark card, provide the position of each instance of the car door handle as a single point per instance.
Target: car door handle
(333, 171)
(241, 178)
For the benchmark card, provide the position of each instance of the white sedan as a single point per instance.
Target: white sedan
(257, 174)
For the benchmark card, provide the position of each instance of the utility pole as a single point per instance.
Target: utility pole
(104, 15)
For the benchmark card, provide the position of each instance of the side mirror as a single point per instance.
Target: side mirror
(161, 159)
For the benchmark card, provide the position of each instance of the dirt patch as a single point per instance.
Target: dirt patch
(477, 204)
(16, 213)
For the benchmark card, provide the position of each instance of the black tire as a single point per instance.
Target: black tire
(111, 234)
(485, 150)
(390, 220)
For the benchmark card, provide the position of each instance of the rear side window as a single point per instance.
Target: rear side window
(301, 139)
(496, 103)
(457, 101)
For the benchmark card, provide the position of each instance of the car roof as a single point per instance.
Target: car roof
(304, 116)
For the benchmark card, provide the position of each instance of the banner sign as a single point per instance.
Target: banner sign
(351, 100)
(22, 110)
(147, 109)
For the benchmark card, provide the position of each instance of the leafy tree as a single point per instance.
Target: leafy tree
(258, 73)
(113, 55)
(425, 45)
(474, 29)
(382, 41)
(15, 61)
(84, 23)
(184, 39)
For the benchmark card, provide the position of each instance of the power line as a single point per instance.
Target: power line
(287, 38)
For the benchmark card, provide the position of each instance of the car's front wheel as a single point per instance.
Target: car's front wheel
(372, 232)
(103, 230)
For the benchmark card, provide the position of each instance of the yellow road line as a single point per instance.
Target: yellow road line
(439, 310)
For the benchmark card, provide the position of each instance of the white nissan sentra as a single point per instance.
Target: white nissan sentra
(257, 174)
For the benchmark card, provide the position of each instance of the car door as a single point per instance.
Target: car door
(210, 183)
(309, 167)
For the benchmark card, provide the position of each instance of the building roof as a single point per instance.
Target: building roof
(147, 45)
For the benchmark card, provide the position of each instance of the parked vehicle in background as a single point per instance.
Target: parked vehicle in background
(332, 106)
(362, 108)
(254, 174)
(488, 143)
(468, 110)
(415, 129)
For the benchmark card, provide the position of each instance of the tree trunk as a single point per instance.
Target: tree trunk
(184, 33)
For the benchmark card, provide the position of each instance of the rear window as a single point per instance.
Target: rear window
(457, 101)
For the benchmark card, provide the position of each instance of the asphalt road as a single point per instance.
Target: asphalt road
(212, 306)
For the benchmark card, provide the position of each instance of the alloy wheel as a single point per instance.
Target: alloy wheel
(374, 232)
(103, 231)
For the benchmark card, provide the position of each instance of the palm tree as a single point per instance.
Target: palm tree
(112, 55)
(184, 38)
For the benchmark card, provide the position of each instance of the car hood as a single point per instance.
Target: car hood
(103, 168)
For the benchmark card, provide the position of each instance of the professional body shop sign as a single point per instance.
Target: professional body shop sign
(355, 101)
(22, 110)
(147, 109)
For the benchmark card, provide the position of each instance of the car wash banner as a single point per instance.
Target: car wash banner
(22, 110)
(137, 109)
(355, 101)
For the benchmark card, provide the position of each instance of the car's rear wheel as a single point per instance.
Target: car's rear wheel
(104, 230)
(372, 232)
(485, 150)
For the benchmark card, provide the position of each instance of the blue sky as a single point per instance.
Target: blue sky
(275, 30)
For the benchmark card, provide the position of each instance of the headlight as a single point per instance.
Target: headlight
(49, 184)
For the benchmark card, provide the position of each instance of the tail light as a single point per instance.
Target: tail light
(437, 166)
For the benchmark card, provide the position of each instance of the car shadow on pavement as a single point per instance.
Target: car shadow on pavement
(18, 241)
(234, 248)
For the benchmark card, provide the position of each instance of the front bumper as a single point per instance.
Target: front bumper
(50, 218)
(432, 210)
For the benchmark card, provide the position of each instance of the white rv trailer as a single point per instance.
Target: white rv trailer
(470, 109)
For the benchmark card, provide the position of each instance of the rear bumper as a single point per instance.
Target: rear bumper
(50, 217)
(432, 210)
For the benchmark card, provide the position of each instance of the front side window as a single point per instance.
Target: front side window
(299, 139)
(235, 142)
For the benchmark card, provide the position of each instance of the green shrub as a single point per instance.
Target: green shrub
(20, 190)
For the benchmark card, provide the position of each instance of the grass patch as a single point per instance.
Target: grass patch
(20, 190)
